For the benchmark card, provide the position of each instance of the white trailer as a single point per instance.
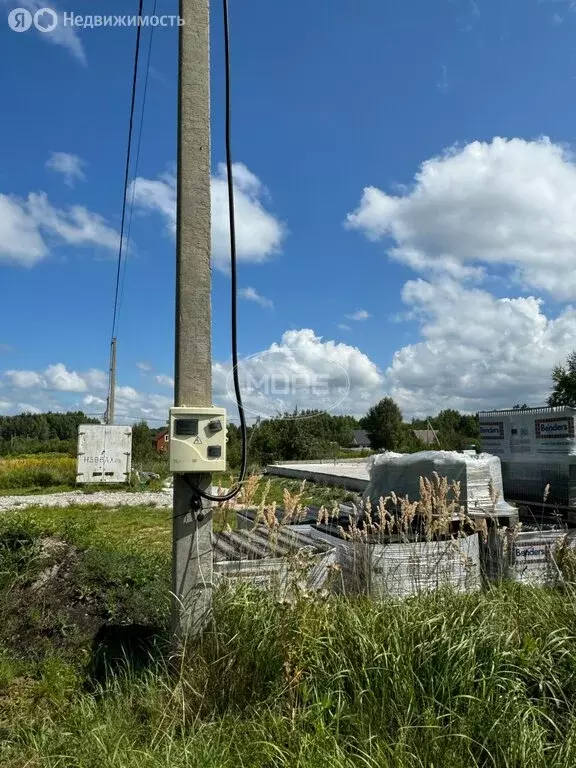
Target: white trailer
(104, 454)
(537, 448)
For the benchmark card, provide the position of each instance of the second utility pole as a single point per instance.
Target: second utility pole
(111, 405)
(192, 532)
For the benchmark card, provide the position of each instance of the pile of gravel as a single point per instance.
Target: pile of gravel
(107, 499)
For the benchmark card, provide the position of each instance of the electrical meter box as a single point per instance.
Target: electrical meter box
(104, 454)
(197, 439)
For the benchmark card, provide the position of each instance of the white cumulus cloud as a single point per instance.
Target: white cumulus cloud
(57, 378)
(27, 225)
(92, 400)
(164, 381)
(64, 35)
(251, 294)
(304, 371)
(20, 239)
(75, 226)
(24, 379)
(360, 314)
(70, 166)
(259, 234)
(507, 203)
(477, 351)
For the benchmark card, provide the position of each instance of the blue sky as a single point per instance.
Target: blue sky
(472, 308)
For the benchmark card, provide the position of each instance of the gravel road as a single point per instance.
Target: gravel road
(107, 499)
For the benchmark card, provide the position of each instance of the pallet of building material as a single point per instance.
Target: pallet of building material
(537, 448)
(387, 567)
(480, 477)
(401, 570)
(526, 555)
(272, 559)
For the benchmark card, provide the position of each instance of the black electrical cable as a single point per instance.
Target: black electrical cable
(233, 279)
(136, 163)
(127, 169)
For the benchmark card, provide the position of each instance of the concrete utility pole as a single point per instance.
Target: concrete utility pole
(192, 532)
(111, 404)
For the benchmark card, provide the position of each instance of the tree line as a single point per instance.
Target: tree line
(293, 436)
(41, 432)
(313, 435)
(299, 435)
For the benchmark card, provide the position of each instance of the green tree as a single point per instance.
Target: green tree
(298, 435)
(448, 421)
(142, 443)
(233, 446)
(383, 423)
(41, 432)
(564, 378)
(409, 442)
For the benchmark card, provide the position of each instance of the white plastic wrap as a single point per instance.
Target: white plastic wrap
(537, 447)
(532, 434)
(404, 569)
(525, 556)
(401, 473)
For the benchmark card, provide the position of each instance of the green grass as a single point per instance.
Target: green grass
(142, 529)
(37, 472)
(448, 681)
(36, 490)
(53, 473)
(315, 494)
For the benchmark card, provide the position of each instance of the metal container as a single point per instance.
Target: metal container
(273, 559)
(104, 454)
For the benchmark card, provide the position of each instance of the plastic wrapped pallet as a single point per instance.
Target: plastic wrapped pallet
(524, 555)
(402, 569)
(537, 448)
(401, 474)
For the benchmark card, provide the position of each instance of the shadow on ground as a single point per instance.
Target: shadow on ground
(117, 647)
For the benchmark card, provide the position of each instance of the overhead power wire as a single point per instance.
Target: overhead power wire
(136, 164)
(233, 278)
(127, 168)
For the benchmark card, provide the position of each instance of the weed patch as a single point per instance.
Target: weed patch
(87, 681)
(34, 472)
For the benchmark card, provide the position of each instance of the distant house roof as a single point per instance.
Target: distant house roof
(426, 436)
(360, 438)
(161, 434)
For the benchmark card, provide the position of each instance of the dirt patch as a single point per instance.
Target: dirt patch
(63, 600)
(46, 610)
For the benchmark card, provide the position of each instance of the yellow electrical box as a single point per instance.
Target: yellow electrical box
(197, 439)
